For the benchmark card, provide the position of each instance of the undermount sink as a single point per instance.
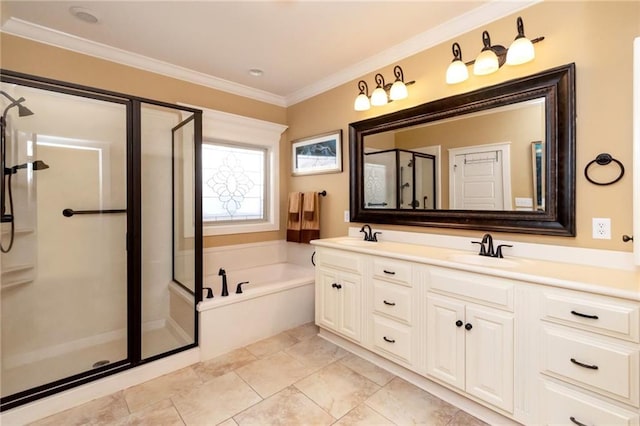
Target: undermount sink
(492, 262)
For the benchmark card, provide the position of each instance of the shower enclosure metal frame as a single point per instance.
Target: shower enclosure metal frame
(134, 227)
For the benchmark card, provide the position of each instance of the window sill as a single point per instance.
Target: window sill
(208, 230)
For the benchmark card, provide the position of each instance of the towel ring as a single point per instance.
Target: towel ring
(603, 160)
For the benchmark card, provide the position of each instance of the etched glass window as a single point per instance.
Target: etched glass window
(233, 183)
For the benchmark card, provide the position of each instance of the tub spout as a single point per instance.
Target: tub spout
(223, 274)
(239, 287)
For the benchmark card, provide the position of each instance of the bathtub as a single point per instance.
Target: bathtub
(278, 297)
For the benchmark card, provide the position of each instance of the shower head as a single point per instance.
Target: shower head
(23, 111)
(36, 165)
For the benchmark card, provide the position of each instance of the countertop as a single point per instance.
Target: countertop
(605, 281)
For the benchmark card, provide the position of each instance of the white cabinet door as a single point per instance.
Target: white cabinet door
(338, 305)
(327, 299)
(349, 306)
(446, 340)
(489, 355)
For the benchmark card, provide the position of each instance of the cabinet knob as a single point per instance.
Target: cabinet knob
(338, 286)
(459, 323)
(468, 326)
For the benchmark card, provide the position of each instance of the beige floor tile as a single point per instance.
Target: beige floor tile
(163, 387)
(223, 364)
(103, 410)
(304, 332)
(270, 375)
(337, 389)
(316, 352)
(404, 403)
(462, 418)
(287, 407)
(215, 401)
(228, 422)
(367, 369)
(362, 416)
(160, 413)
(270, 346)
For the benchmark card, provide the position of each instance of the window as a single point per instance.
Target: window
(240, 172)
(233, 183)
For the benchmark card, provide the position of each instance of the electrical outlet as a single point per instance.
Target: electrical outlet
(601, 228)
(346, 216)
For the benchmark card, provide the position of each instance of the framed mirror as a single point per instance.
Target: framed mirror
(500, 158)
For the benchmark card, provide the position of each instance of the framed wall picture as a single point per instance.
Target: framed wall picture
(317, 154)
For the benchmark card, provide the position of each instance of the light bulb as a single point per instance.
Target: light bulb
(486, 63)
(457, 72)
(379, 97)
(362, 103)
(521, 51)
(398, 91)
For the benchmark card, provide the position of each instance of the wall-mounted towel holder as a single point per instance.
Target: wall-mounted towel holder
(323, 193)
(603, 160)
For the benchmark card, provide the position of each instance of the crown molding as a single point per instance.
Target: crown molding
(41, 34)
(483, 15)
(462, 24)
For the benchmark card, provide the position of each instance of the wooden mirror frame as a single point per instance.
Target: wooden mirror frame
(557, 87)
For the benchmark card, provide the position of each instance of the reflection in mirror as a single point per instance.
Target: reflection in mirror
(398, 178)
(502, 157)
(487, 154)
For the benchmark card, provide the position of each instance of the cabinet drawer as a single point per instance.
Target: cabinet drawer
(563, 404)
(392, 270)
(340, 260)
(392, 337)
(600, 314)
(489, 290)
(594, 363)
(393, 300)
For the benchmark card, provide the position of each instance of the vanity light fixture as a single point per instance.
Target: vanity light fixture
(457, 71)
(362, 100)
(492, 57)
(383, 93)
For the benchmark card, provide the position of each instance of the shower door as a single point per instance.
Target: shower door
(64, 278)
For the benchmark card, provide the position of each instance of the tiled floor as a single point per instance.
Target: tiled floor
(293, 378)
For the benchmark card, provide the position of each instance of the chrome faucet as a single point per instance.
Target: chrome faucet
(370, 235)
(489, 250)
(223, 274)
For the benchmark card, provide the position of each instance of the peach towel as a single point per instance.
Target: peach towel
(294, 217)
(310, 217)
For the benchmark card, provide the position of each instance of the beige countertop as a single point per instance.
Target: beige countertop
(605, 281)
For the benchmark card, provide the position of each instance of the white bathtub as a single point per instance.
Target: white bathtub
(278, 297)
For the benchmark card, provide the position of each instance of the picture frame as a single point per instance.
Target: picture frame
(317, 154)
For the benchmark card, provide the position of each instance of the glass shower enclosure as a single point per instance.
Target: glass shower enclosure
(100, 215)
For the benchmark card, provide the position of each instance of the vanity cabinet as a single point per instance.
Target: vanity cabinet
(470, 346)
(338, 293)
(590, 364)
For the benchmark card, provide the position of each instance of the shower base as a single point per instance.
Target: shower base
(28, 375)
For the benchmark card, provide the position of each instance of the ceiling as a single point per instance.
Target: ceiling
(303, 47)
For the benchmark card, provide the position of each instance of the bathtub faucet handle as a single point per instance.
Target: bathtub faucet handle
(239, 287)
(209, 292)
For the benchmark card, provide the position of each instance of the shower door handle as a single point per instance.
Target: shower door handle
(71, 212)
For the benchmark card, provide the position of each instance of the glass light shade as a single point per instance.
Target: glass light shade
(521, 51)
(398, 91)
(362, 103)
(486, 63)
(457, 72)
(379, 97)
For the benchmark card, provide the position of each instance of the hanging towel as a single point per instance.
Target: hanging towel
(294, 217)
(310, 217)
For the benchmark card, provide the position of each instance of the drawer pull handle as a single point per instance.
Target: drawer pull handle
(459, 323)
(591, 367)
(389, 303)
(574, 421)
(578, 314)
(386, 339)
(388, 272)
(338, 286)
